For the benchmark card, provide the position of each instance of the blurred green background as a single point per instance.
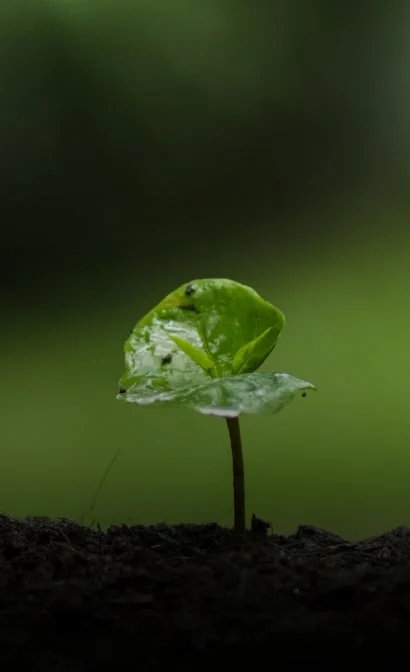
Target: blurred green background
(145, 144)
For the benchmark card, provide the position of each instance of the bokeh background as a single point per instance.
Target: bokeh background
(144, 144)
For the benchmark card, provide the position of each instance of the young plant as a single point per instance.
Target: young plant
(200, 348)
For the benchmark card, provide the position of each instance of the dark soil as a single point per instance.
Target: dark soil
(191, 596)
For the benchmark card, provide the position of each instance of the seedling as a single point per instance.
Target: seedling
(200, 348)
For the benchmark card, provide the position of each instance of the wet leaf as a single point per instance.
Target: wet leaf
(229, 396)
(203, 324)
(200, 348)
(247, 358)
(196, 355)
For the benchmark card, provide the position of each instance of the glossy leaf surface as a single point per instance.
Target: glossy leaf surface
(230, 396)
(200, 348)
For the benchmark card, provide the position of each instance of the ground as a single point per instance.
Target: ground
(74, 599)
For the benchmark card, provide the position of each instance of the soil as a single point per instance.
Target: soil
(191, 596)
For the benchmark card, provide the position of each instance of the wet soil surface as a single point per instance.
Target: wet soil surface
(191, 596)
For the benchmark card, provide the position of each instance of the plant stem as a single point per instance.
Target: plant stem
(238, 474)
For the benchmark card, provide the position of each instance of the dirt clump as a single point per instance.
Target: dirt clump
(139, 597)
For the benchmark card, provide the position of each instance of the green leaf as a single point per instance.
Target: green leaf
(200, 348)
(204, 328)
(229, 396)
(255, 351)
(196, 355)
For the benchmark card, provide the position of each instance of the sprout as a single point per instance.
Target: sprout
(200, 348)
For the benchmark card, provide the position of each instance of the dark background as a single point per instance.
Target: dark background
(143, 144)
(133, 130)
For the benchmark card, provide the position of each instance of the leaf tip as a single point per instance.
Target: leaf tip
(308, 388)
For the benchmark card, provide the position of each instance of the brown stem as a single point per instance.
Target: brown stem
(238, 474)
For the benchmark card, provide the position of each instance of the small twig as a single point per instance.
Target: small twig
(101, 483)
